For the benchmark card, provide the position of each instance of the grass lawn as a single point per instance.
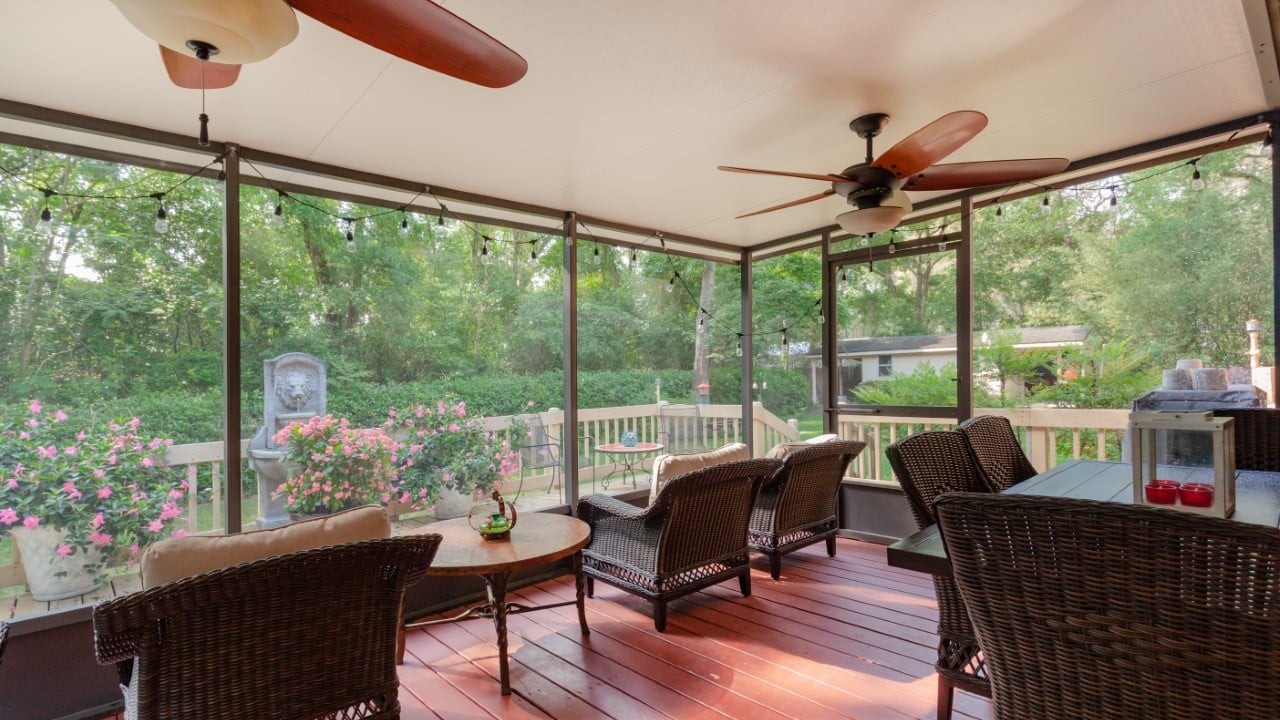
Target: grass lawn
(810, 424)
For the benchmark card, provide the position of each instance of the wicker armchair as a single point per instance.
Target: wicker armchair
(310, 634)
(996, 448)
(692, 536)
(798, 506)
(928, 465)
(1257, 432)
(4, 638)
(1093, 609)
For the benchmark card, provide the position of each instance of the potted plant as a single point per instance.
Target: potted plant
(449, 458)
(336, 466)
(78, 502)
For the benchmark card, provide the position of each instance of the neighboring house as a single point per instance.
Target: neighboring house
(866, 359)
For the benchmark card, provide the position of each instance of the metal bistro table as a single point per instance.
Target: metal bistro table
(537, 538)
(627, 459)
(1257, 501)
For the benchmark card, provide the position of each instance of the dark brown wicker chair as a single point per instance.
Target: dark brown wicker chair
(996, 448)
(4, 638)
(692, 536)
(1092, 609)
(1257, 432)
(310, 634)
(798, 506)
(928, 465)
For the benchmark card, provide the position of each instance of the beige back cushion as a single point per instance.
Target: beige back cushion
(178, 558)
(666, 467)
(781, 451)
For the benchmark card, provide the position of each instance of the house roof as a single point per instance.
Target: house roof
(627, 108)
(1032, 337)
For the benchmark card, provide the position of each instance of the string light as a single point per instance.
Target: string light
(892, 247)
(1044, 204)
(45, 226)
(671, 284)
(822, 317)
(404, 223)
(633, 257)
(485, 257)
(162, 217)
(1197, 181)
(942, 245)
(1111, 203)
(864, 240)
(999, 210)
(785, 345)
(596, 254)
(350, 224)
(278, 216)
(844, 274)
(738, 351)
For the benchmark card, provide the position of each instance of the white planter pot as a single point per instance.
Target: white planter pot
(51, 576)
(452, 504)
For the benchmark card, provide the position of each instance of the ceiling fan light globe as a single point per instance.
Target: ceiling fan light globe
(870, 220)
(243, 31)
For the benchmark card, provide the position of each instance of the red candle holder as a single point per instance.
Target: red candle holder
(1196, 494)
(1164, 492)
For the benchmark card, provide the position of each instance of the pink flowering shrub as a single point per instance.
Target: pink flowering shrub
(110, 490)
(444, 448)
(336, 466)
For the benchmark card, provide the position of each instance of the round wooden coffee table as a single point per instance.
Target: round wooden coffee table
(537, 539)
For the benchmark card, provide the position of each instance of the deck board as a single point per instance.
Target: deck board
(843, 637)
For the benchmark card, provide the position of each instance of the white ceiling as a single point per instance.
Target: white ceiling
(628, 107)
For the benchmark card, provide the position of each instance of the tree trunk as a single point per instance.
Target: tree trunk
(701, 358)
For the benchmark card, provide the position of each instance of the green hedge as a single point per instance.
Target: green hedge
(189, 417)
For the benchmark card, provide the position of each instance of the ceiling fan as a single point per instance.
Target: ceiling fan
(203, 43)
(876, 188)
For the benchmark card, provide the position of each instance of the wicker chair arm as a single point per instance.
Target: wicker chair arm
(597, 506)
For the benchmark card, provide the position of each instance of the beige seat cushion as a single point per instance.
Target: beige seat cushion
(782, 450)
(178, 558)
(666, 467)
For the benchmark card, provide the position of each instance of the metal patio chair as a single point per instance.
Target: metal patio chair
(681, 429)
(543, 450)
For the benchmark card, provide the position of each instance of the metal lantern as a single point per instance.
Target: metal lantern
(1185, 461)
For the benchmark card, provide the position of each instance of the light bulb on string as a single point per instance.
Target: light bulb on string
(1197, 181)
(822, 317)
(350, 224)
(942, 245)
(595, 254)
(278, 215)
(844, 274)
(738, 351)
(1044, 204)
(864, 240)
(892, 247)
(533, 250)
(633, 257)
(485, 257)
(404, 224)
(999, 211)
(45, 226)
(671, 284)
(1111, 202)
(162, 217)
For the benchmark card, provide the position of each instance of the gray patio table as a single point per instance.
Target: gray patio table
(1257, 501)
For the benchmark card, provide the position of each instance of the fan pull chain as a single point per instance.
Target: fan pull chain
(204, 118)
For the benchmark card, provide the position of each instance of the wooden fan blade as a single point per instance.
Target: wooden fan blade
(809, 176)
(801, 201)
(423, 33)
(958, 176)
(931, 143)
(184, 71)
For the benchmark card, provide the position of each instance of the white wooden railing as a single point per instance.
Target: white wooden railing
(1047, 434)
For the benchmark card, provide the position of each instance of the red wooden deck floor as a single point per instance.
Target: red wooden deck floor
(847, 637)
